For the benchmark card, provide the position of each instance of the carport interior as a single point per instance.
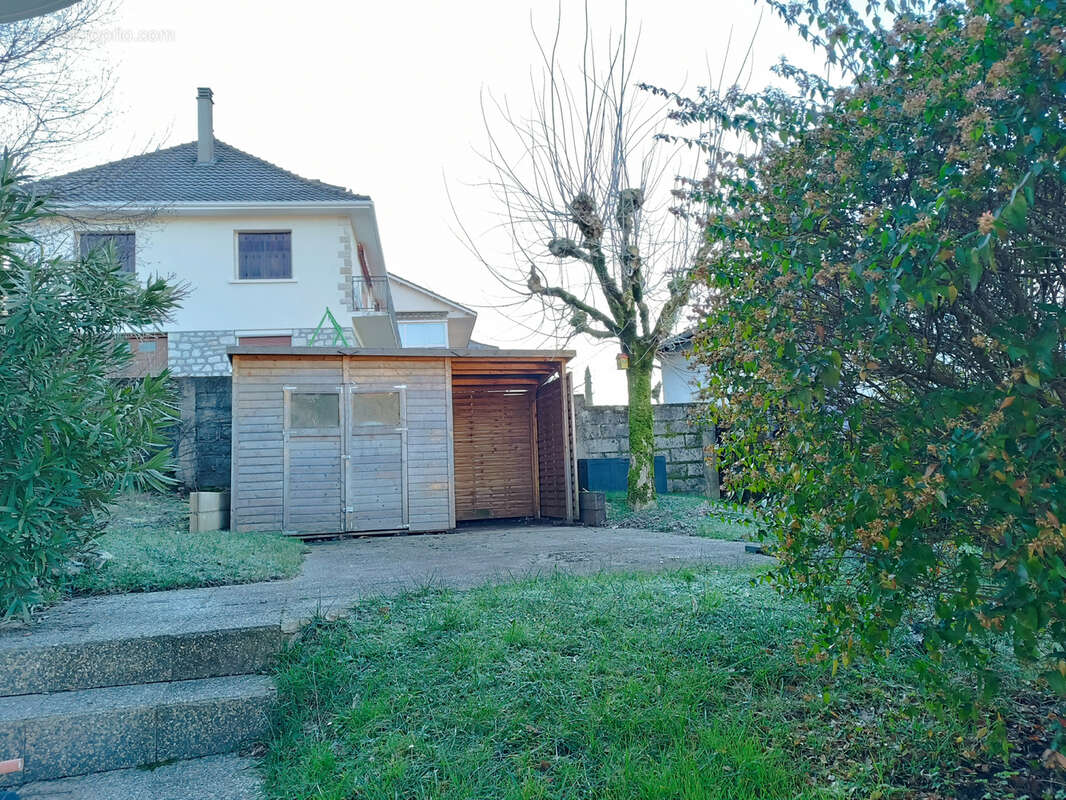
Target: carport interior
(512, 439)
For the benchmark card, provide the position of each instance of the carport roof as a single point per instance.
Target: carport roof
(480, 354)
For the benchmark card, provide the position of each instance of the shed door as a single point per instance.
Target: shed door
(313, 449)
(377, 460)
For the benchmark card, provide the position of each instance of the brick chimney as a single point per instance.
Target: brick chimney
(205, 133)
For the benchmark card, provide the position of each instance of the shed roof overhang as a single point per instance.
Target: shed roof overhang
(470, 366)
(463, 353)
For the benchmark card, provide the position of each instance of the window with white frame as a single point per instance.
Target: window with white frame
(264, 255)
(424, 333)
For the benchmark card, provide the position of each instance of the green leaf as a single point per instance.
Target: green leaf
(1056, 680)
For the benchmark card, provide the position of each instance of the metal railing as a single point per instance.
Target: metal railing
(374, 294)
(371, 294)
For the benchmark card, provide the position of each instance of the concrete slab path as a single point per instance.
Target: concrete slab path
(337, 574)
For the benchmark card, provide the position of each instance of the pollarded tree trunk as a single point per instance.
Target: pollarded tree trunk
(597, 237)
(641, 427)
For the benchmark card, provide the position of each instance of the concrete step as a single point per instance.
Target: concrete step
(63, 667)
(227, 777)
(96, 730)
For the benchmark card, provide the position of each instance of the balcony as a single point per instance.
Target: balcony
(374, 316)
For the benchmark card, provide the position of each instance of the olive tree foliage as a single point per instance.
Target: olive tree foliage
(885, 316)
(71, 437)
(55, 81)
(597, 212)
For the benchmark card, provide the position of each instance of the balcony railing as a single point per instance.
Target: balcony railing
(374, 295)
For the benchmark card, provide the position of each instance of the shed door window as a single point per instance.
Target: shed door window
(124, 244)
(314, 410)
(264, 255)
(375, 410)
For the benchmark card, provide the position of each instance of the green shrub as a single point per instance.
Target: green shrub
(71, 437)
(887, 330)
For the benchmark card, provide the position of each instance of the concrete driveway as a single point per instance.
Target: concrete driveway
(337, 574)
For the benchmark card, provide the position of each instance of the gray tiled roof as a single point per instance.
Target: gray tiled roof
(173, 176)
(680, 341)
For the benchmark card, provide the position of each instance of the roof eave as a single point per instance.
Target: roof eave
(213, 208)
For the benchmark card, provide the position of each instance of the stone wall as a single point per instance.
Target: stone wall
(202, 436)
(603, 432)
(203, 353)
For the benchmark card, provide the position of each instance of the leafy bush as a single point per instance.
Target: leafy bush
(71, 437)
(885, 321)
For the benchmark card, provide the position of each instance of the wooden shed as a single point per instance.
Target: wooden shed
(334, 440)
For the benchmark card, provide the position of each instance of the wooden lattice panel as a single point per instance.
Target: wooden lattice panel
(493, 453)
(551, 451)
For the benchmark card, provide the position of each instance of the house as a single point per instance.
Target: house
(263, 253)
(328, 394)
(681, 377)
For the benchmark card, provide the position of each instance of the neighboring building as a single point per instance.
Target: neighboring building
(263, 253)
(681, 376)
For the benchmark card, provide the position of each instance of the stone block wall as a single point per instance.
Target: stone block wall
(200, 352)
(202, 436)
(603, 432)
(203, 353)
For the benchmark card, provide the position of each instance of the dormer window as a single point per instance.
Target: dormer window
(124, 243)
(264, 255)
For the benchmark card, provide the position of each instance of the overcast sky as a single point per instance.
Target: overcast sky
(384, 98)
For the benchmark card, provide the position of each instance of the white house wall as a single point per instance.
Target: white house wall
(202, 252)
(680, 377)
(199, 252)
(411, 300)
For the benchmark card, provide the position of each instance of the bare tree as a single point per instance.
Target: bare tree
(597, 205)
(54, 82)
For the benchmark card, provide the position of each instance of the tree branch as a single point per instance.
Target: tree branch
(572, 300)
(680, 291)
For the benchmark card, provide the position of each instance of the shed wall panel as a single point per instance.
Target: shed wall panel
(259, 419)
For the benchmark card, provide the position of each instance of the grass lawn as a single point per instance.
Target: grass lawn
(147, 546)
(682, 685)
(684, 513)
